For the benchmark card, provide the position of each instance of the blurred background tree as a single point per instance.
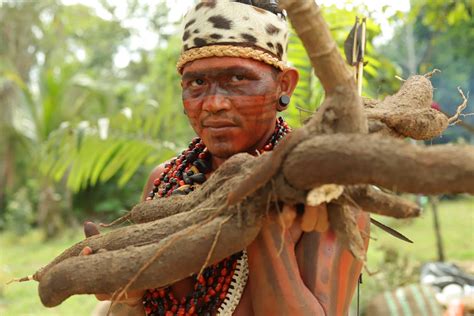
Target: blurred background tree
(90, 100)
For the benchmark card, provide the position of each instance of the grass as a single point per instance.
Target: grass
(457, 229)
(398, 261)
(23, 255)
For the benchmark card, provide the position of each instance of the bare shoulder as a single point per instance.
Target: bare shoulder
(154, 174)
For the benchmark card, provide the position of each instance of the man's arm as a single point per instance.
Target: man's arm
(330, 272)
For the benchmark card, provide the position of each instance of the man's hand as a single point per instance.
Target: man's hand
(131, 298)
(314, 218)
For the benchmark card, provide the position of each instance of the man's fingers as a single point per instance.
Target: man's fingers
(310, 218)
(86, 251)
(131, 298)
(103, 297)
(323, 222)
(90, 229)
(288, 215)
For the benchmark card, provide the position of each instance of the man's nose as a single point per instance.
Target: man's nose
(216, 102)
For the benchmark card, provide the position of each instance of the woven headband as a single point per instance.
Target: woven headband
(225, 28)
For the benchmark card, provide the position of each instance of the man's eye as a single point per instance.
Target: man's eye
(237, 78)
(197, 82)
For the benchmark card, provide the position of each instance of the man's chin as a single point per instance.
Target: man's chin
(222, 150)
(222, 153)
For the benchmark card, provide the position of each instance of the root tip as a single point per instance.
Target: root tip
(23, 279)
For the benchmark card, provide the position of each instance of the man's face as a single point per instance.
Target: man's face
(231, 103)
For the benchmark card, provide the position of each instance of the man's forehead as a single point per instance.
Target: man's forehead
(223, 65)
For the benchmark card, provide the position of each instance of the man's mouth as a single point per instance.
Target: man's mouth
(218, 124)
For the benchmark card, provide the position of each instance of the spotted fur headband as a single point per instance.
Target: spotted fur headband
(232, 29)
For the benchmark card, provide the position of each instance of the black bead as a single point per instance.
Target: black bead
(198, 178)
(186, 179)
(168, 186)
(155, 189)
(190, 173)
(178, 192)
(166, 179)
(202, 166)
(191, 157)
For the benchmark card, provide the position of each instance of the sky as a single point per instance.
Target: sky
(145, 38)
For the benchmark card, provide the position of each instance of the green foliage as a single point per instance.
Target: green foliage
(308, 95)
(19, 215)
(90, 153)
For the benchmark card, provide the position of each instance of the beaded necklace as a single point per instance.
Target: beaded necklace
(218, 289)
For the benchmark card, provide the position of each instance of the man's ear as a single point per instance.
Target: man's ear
(288, 79)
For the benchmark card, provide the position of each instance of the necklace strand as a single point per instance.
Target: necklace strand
(220, 286)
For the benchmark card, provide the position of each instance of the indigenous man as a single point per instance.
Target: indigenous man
(234, 81)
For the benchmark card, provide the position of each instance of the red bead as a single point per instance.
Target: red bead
(191, 310)
(147, 310)
(181, 311)
(228, 279)
(174, 308)
(224, 272)
(202, 155)
(169, 313)
(183, 300)
(268, 147)
(210, 281)
(201, 279)
(162, 292)
(220, 279)
(207, 298)
(218, 287)
(155, 294)
(211, 292)
(222, 296)
(181, 183)
(234, 265)
(156, 182)
(225, 288)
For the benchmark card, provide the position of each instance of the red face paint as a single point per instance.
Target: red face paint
(231, 103)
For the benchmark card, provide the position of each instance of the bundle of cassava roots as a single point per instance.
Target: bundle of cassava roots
(353, 144)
